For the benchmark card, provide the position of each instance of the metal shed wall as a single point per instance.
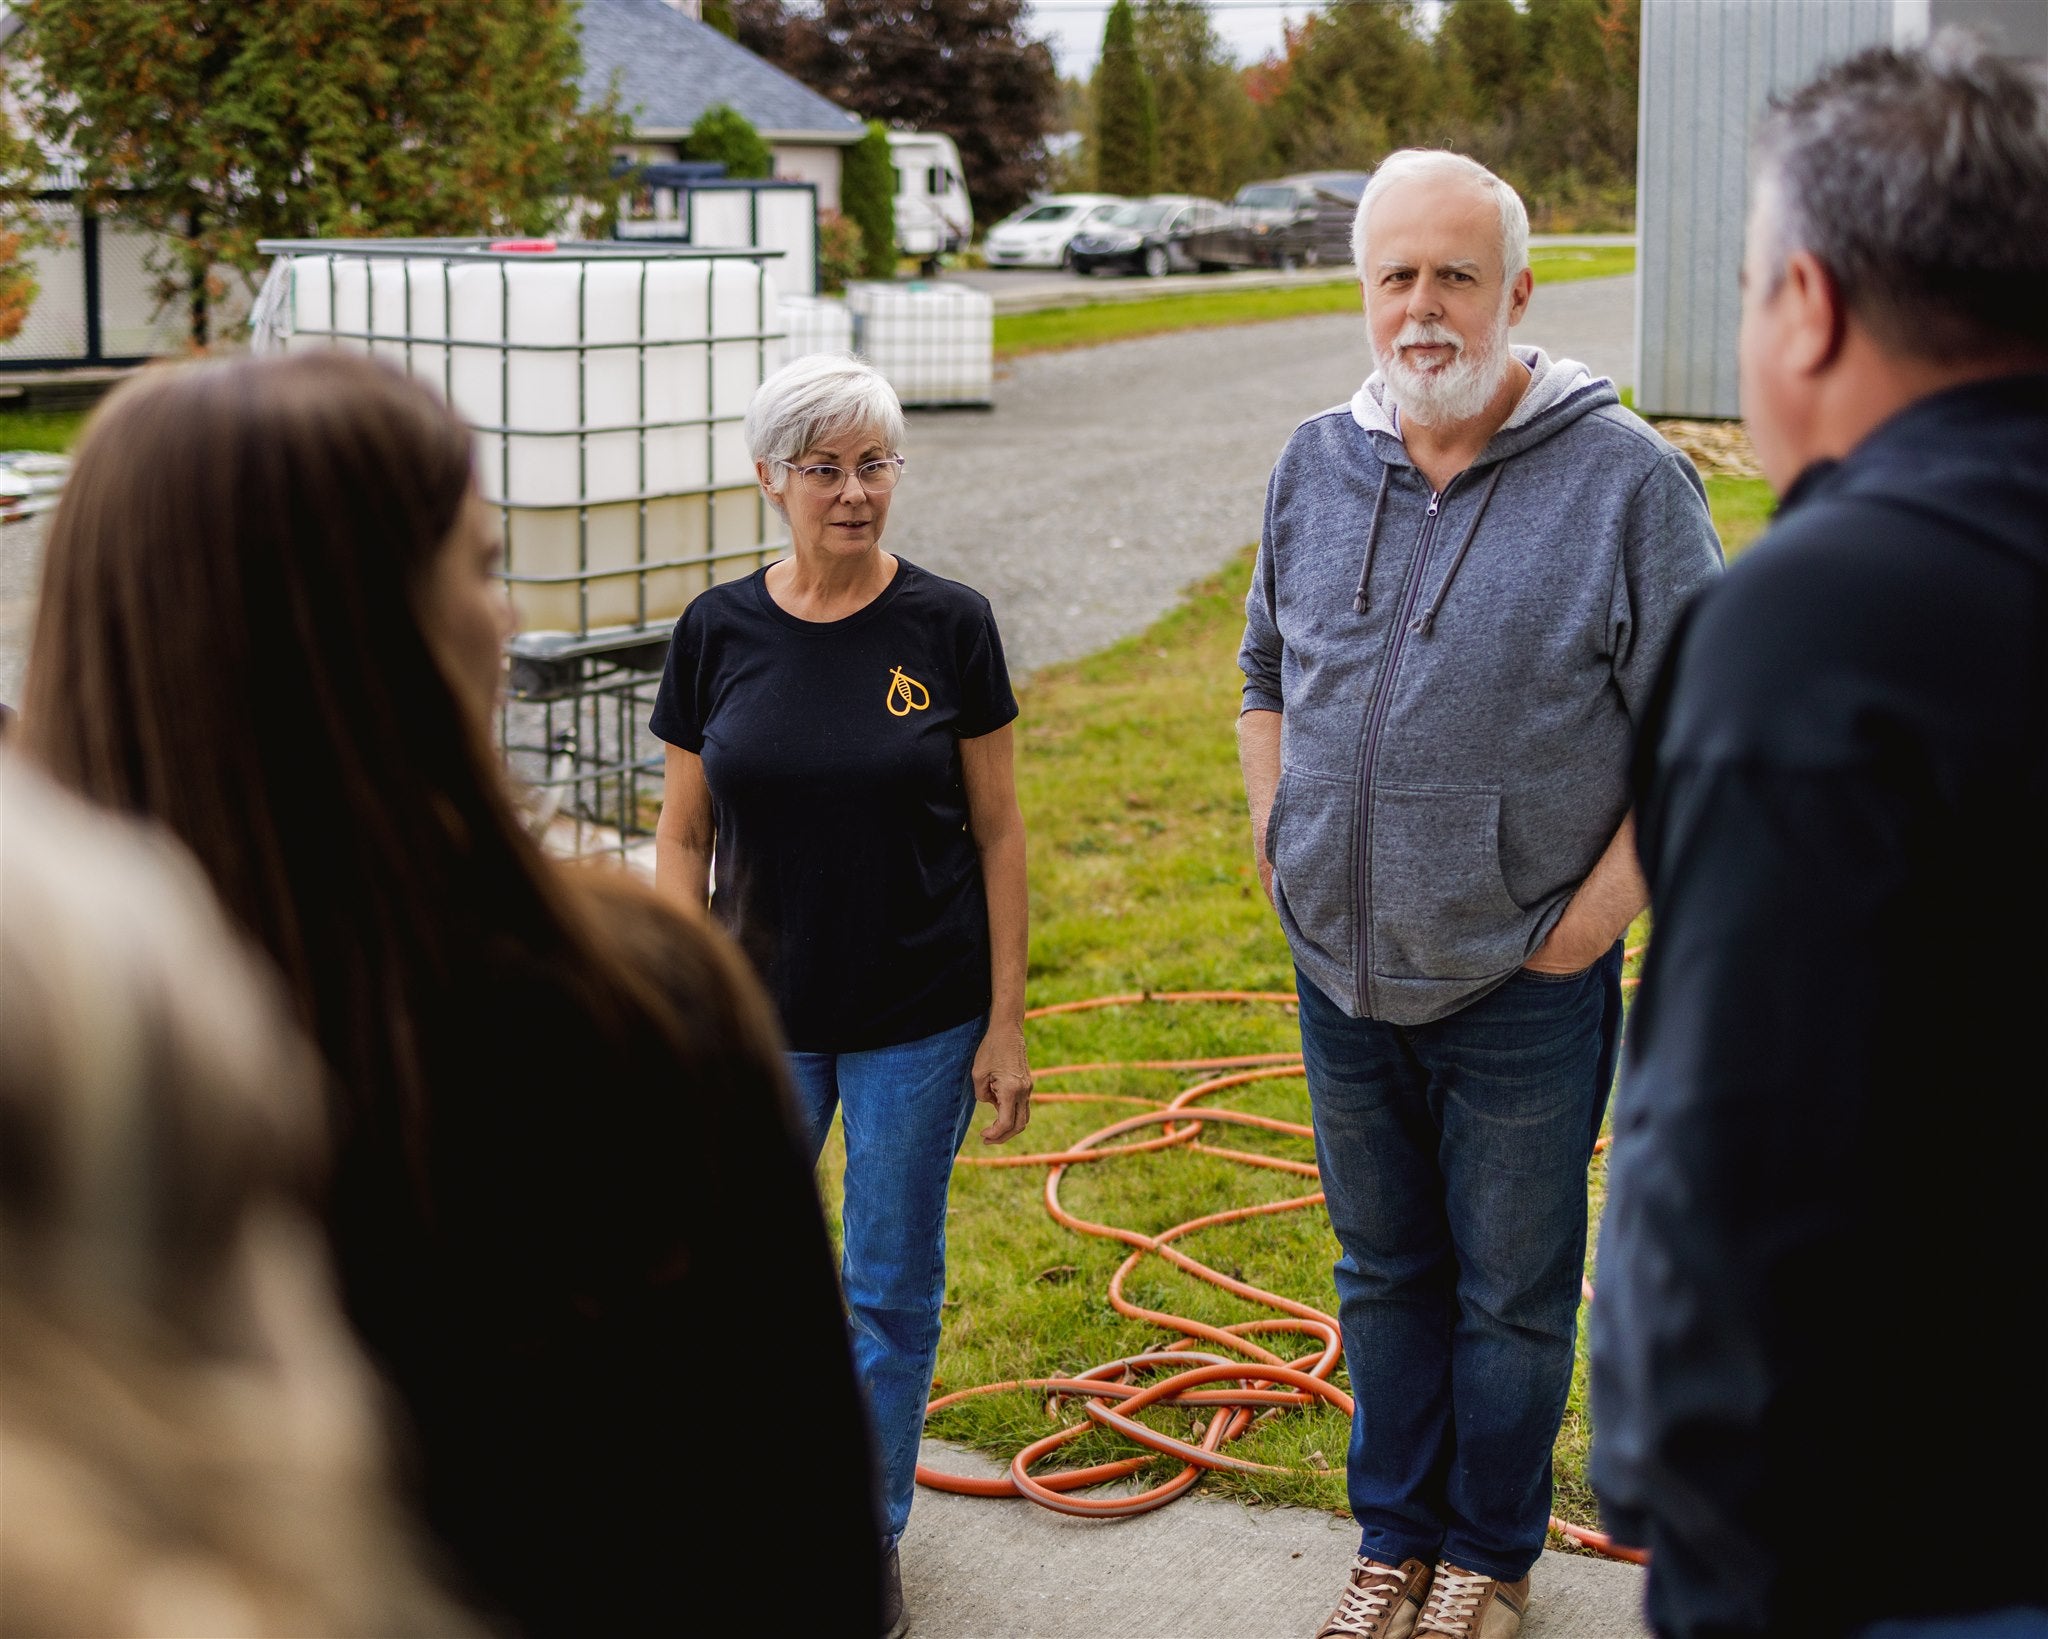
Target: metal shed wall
(1707, 67)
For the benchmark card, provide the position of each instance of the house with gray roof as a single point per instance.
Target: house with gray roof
(669, 68)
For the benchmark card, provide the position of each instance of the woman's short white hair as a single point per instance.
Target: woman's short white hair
(1440, 164)
(818, 397)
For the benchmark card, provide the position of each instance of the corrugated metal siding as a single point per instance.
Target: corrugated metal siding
(1707, 67)
(2017, 27)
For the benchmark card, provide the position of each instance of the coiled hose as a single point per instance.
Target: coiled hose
(1234, 1388)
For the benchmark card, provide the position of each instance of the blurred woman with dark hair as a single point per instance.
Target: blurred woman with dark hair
(566, 1183)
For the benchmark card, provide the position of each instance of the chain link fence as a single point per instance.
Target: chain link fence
(100, 297)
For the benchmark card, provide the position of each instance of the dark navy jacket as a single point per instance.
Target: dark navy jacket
(1818, 1387)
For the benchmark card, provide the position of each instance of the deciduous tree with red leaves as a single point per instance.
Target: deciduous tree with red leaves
(963, 67)
(21, 173)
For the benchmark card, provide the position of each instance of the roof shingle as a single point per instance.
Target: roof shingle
(671, 68)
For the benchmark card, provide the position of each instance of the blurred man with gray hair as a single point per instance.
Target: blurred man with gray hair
(1818, 1385)
(1466, 580)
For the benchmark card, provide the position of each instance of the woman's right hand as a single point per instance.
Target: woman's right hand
(1002, 1077)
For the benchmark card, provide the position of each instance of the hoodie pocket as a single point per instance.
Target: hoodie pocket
(1311, 840)
(1440, 908)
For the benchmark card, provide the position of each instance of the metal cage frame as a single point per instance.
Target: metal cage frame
(571, 723)
(584, 640)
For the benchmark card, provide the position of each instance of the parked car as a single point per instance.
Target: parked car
(1152, 236)
(934, 216)
(1039, 234)
(1348, 186)
(30, 482)
(1293, 222)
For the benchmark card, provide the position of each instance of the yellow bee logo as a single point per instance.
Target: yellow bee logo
(902, 701)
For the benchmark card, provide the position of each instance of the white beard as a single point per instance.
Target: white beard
(1445, 394)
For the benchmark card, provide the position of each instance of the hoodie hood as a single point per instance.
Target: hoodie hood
(1560, 391)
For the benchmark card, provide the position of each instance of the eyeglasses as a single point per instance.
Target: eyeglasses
(827, 480)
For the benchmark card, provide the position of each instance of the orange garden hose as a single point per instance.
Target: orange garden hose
(1186, 1372)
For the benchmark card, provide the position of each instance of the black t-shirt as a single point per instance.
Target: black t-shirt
(832, 749)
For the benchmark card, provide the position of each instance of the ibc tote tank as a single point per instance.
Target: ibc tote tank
(606, 384)
(935, 342)
(815, 324)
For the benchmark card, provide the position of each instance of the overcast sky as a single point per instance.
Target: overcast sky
(1075, 28)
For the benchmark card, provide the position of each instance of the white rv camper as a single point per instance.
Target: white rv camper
(934, 216)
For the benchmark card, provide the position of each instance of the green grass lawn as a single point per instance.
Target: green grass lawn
(1142, 881)
(54, 430)
(1086, 324)
(1742, 507)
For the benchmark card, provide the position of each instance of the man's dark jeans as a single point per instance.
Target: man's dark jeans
(1453, 1156)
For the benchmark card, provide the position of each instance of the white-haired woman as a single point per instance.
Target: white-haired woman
(838, 727)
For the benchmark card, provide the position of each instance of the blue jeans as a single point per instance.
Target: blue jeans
(905, 1111)
(1453, 1158)
(2015, 1622)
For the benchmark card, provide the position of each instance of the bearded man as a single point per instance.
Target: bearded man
(1465, 583)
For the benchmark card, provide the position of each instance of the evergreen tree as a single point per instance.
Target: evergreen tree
(1360, 80)
(1209, 137)
(1621, 36)
(219, 125)
(1485, 43)
(867, 194)
(724, 136)
(1126, 118)
(1572, 117)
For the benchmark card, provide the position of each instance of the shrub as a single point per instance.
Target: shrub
(839, 251)
(723, 134)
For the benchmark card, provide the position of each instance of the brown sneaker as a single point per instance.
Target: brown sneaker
(1466, 1605)
(1380, 1601)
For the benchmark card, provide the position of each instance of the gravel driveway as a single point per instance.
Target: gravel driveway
(1106, 480)
(21, 557)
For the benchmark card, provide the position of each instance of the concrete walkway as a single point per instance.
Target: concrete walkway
(1198, 1569)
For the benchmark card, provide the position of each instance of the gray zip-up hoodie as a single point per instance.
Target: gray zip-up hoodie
(1460, 675)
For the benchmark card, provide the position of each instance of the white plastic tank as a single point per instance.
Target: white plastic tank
(935, 342)
(815, 324)
(606, 384)
(772, 215)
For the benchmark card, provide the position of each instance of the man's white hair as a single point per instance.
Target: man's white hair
(1441, 165)
(818, 397)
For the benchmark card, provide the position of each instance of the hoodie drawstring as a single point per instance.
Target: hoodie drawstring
(1372, 536)
(1424, 621)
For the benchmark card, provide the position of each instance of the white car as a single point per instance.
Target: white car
(30, 482)
(1038, 235)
